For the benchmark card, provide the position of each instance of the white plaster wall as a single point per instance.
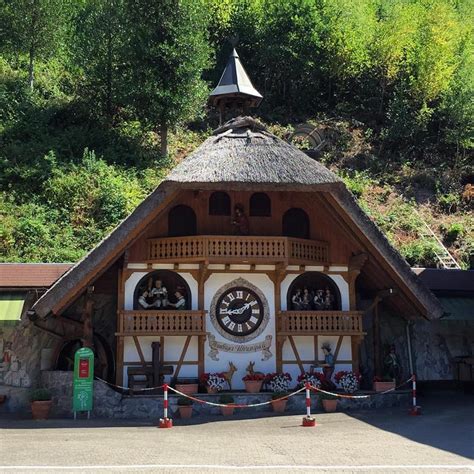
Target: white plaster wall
(338, 280)
(135, 277)
(240, 360)
(173, 346)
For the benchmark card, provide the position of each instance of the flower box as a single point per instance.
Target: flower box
(279, 406)
(185, 411)
(383, 386)
(187, 388)
(253, 386)
(329, 406)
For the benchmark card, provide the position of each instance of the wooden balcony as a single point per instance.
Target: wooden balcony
(162, 323)
(305, 323)
(238, 249)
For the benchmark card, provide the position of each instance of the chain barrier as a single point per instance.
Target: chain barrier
(147, 389)
(235, 405)
(341, 395)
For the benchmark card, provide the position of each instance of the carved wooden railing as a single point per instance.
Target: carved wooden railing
(218, 248)
(319, 322)
(165, 323)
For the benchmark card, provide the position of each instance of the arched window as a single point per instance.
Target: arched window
(260, 205)
(219, 204)
(313, 291)
(162, 290)
(181, 221)
(295, 223)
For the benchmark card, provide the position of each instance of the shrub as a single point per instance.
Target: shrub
(452, 232)
(278, 382)
(449, 203)
(40, 395)
(184, 402)
(226, 398)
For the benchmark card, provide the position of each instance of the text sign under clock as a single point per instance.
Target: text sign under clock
(83, 384)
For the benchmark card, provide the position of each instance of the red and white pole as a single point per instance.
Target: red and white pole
(308, 420)
(165, 422)
(415, 409)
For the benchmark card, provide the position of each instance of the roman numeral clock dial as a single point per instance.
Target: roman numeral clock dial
(239, 311)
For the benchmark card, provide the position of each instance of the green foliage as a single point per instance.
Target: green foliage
(40, 395)
(420, 252)
(453, 232)
(226, 398)
(184, 402)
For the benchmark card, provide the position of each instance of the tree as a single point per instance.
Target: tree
(34, 28)
(166, 53)
(98, 42)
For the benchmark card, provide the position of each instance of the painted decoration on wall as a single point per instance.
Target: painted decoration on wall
(239, 311)
(216, 346)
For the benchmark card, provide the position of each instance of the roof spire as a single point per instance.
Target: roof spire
(235, 89)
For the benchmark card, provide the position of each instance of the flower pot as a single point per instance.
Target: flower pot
(383, 386)
(279, 405)
(185, 411)
(211, 390)
(253, 386)
(40, 409)
(227, 411)
(329, 405)
(187, 388)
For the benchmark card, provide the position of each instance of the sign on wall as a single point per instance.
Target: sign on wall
(217, 346)
(83, 382)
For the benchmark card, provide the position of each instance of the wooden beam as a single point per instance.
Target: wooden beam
(295, 350)
(338, 348)
(201, 354)
(181, 358)
(119, 370)
(355, 345)
(139, 350)
(316, 349)
(88, 334)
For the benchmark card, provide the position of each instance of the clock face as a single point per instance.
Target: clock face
(239, 311)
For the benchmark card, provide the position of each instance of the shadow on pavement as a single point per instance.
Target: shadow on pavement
(446, 422)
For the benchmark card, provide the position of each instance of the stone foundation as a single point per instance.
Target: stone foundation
(110, 404)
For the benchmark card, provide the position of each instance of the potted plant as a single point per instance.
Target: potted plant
(227, 399)
(41, 401)
(279, 384)
(315, 379)
(383, 384)
(188, 387)
(329, 402)
(348, 380)
(185, 407)
(214, 382)
(253, 382)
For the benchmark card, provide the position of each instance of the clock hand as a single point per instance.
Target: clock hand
(239, 310)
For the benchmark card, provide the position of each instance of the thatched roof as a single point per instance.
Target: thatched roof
(243, 152)
(240, 155)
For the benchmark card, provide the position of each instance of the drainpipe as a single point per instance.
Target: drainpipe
(410, 359)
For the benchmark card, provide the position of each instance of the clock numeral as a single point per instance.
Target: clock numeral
(248, 327)
(248, 296)
(231, 297)
(240, 294)
(231, 325)
(224, 302)
(253, 303)
(223, 310)
(226, 320)
(253, 320)
(255, 311)
(239, 328)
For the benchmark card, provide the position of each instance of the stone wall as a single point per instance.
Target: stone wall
(111, 404)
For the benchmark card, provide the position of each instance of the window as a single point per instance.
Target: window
(219, 204)
(181, 221)
(260, 205)
(295, 223)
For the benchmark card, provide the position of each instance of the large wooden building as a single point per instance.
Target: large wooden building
(248, 251)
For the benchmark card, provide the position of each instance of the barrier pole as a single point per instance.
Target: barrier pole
(415, 409)
(308, 420)
(165, 422)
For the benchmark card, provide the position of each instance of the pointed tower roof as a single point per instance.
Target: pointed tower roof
(235, 84)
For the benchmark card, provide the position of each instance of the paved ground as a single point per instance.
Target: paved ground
(441, 440)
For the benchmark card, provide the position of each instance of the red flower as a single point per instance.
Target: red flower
(255, 376)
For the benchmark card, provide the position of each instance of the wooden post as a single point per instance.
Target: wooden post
(201, 343)
(376, 336)
(88, 331)
(280, 341)
(355, 346)
(203, 275)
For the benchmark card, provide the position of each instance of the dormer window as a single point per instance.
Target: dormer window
(219, 204)
(260, 205)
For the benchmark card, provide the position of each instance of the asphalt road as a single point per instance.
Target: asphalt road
(441, 440)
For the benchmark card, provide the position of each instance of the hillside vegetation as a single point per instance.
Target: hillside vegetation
(100, 98)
